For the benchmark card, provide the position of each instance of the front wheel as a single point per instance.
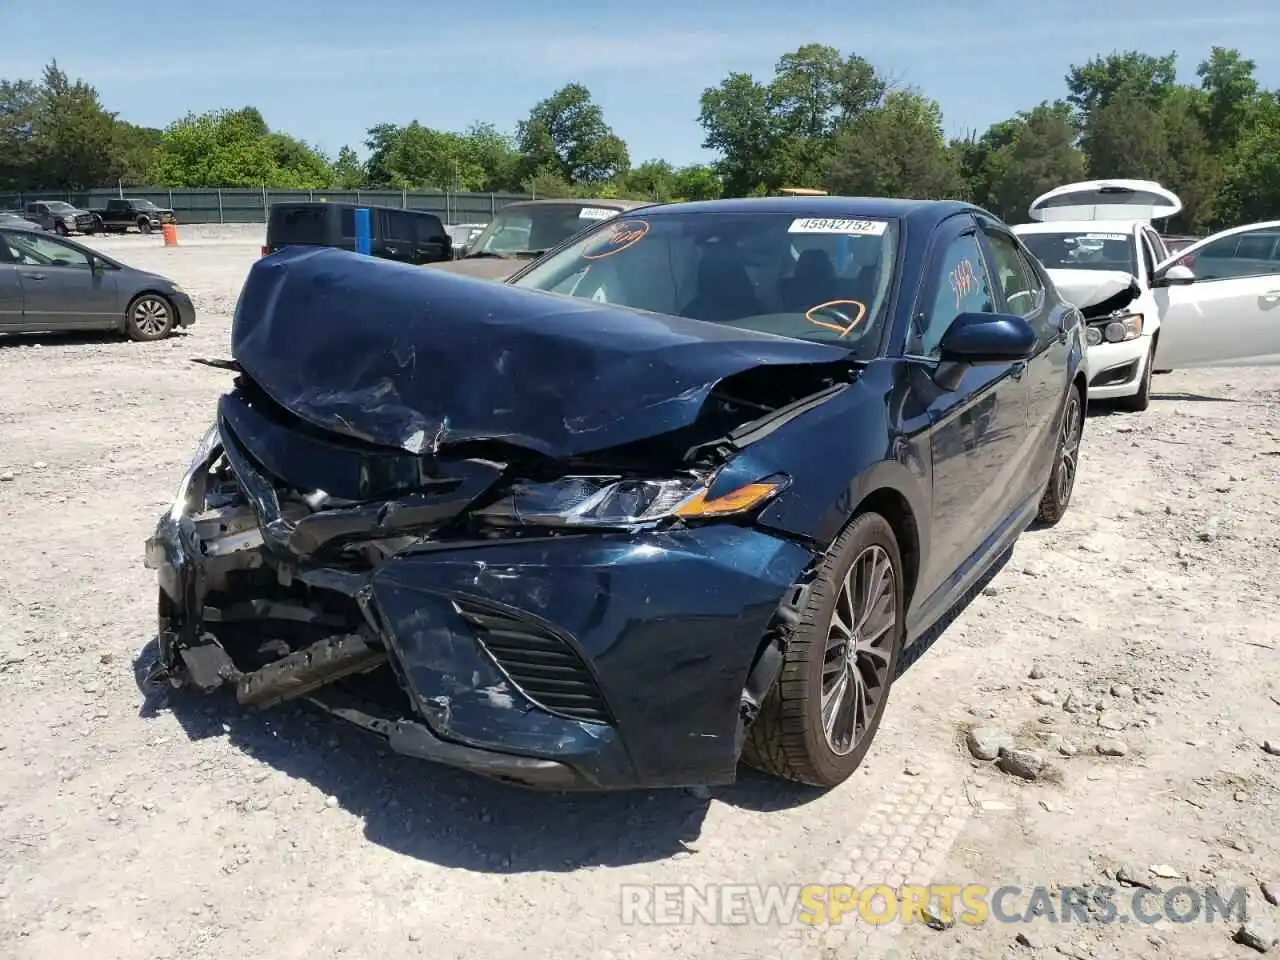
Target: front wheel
(1139, 401)
(144, 225)
(820, 718)
(150, 317)
(1066, 460)
(60, 229)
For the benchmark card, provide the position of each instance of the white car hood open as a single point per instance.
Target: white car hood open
(1087, 288)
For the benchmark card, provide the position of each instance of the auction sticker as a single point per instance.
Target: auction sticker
(595, 213)
(1105, 236)
(848, 228)
(617, 237)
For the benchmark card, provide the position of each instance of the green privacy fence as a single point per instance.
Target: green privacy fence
(250, 206)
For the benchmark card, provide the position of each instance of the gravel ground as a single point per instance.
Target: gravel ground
(1144, 627)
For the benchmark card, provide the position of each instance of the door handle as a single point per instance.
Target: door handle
(33, 276)
(1271, 296)
(1017, 370)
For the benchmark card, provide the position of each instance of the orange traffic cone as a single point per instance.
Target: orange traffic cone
(170, 235)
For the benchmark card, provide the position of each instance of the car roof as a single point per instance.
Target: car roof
(924, 213)
(1079, 226)
(609, 202)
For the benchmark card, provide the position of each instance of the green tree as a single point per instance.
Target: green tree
(1016, 160)
(739, 126)
(220, 148)
(781, 133)
(1251, 187)
(348, 172)
(74, 136)
(895, 149)
(1142, 77)
(19, 103)
(493, 153)
(567, 130)
(134, 152)
(1230, 90)
(696, 182)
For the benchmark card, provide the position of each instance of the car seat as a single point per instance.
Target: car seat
(725, 292)
(813, 281)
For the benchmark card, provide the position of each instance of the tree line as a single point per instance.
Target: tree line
(823, 120)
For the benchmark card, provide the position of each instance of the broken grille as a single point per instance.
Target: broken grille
(542, 664)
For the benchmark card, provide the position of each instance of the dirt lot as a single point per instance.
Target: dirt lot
(181, 827)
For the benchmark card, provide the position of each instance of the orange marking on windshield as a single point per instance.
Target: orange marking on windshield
(844, 331)
(618, 236)
(963, 279)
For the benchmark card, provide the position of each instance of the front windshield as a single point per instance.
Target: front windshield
(527, 229)
(57, 206)
(1083, 251)
(809, 279)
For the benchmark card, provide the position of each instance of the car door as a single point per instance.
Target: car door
(1229, 314)
(1022, 290)
(978, 430)
(10, 291)
(60, 288)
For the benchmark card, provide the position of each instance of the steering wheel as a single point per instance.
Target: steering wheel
(842, 316)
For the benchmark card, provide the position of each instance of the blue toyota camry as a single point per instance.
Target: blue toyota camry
(678, 494)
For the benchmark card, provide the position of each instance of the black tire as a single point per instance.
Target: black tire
(144, 225)
(1139, 401)
(60, 229)
(789, 738)
(1066, 455)
(149, 317)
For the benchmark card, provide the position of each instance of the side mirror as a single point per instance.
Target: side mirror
(987, 338)
(460, 252)
(1176, 276)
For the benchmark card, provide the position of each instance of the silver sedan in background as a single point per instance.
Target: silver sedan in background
(51, 283)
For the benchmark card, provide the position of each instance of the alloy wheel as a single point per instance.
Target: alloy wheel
(151, 316)
(855, 670)
(1072, 428)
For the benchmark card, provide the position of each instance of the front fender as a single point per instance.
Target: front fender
(865, 438)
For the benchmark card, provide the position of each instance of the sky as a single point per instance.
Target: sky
(327, 71)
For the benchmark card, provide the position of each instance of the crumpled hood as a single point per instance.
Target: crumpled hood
(1095, 288)
(406, 357)
(486, 268)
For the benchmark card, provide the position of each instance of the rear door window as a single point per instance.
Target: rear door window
(299, 225)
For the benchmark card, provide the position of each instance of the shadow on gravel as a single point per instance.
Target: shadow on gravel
(78, 338)
(935, 633)
(454, 819)
(1193, 398)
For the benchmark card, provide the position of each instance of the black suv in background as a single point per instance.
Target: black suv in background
(410, 236)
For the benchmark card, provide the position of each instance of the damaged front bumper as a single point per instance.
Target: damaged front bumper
(590, 661)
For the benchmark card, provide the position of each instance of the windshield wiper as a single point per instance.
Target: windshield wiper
(487, 253)
(530, 254)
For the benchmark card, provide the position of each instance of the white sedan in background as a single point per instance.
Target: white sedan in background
(1215, 302)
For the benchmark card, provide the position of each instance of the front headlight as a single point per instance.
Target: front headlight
(619, 502)
(1118, 329)
(175, 288)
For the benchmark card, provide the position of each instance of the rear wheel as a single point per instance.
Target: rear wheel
(150, 317)
(820, 719)
(1066, 459)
